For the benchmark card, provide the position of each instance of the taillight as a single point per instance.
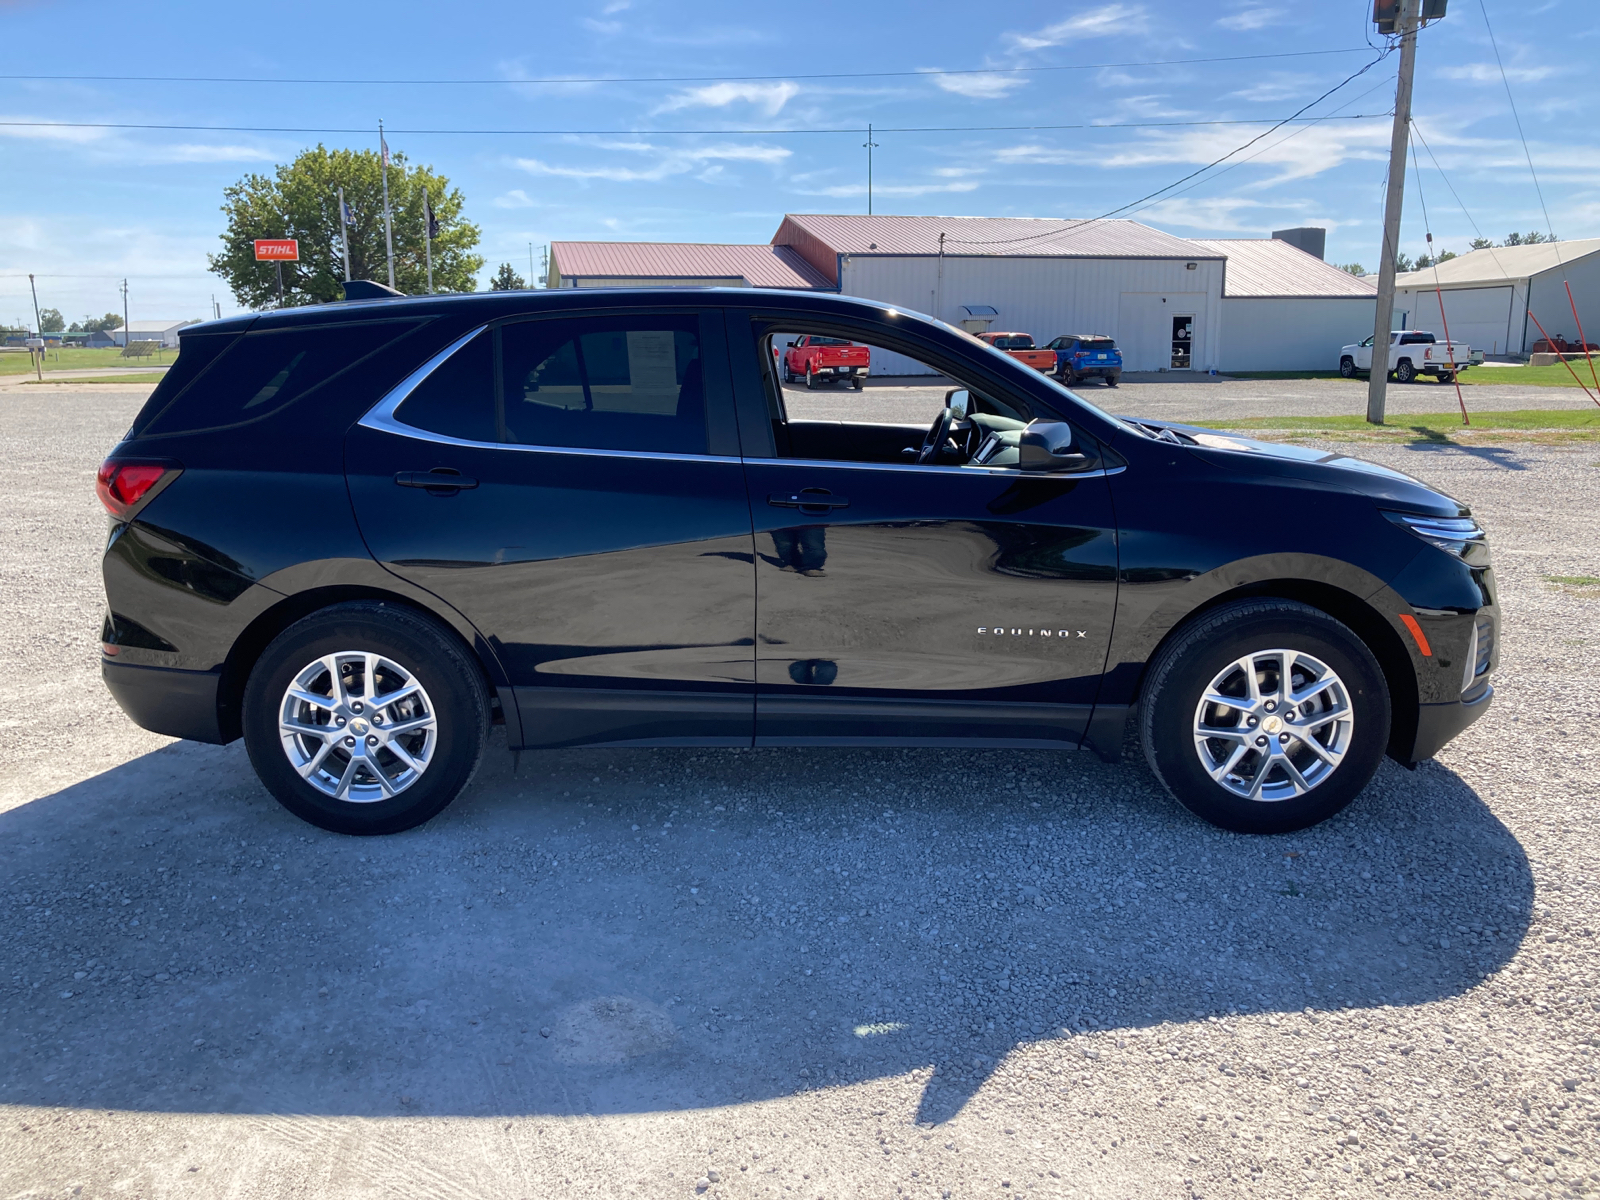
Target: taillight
(122, 482)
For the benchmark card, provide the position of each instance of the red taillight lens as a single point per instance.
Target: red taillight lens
(122, 483)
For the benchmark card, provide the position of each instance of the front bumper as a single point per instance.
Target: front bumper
(165, 700)
(1438, 723)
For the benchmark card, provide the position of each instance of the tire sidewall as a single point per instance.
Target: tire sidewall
(1170, 730)
(449, 680)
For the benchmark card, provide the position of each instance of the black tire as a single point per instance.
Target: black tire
(1447, 376)
(858, 383)
(810, 381)
(1071, 378)
(1192, 659)
(1347, 367)
(453, 684)
(1405, 371)
(1111, 380)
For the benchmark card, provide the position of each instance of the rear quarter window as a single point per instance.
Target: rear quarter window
(196, 352)
(262, 373)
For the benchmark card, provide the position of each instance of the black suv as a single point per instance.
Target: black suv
(360, 534)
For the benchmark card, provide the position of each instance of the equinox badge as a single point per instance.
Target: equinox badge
(1060, 633)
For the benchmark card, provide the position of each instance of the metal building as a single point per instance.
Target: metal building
(1495, 299)
(679, 264)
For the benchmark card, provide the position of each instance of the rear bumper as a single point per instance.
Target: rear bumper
(1438, 723)
(164, 700)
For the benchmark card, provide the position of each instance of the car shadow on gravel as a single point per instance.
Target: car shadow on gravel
(625, 931)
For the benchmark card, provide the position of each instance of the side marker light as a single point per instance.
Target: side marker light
(1410, 623)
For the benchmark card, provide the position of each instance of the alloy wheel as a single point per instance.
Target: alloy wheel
(1273, 725)
(357, 726)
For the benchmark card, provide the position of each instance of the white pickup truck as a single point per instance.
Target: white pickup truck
(1412, 352)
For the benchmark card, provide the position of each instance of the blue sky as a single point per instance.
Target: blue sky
(83, 207)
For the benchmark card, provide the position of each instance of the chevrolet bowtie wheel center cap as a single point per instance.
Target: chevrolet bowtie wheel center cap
(1270, 725)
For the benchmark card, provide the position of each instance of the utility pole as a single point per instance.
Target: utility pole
(1383, 317)
(429, 228)
(126, 333)
(38, 325)
(388, 225)
(532, 278)
(344, 234)
(870, 147)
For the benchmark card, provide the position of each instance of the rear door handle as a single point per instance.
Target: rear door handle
(440, 479)
(807, 498)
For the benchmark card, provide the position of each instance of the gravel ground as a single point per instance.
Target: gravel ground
(1196, 398)
(793, 973)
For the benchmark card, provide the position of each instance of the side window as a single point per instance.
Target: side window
(261, 373)
(623, 383)
(457, 399)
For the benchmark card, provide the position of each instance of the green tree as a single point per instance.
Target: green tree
(1526, 239)
(300, 200)
(98, 324)
(1403, 263)
(1481, 243)
(51, 321)
(1353, 268)
(506, 279)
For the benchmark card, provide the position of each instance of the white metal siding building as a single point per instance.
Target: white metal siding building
(1286, 310)
(1489, 295)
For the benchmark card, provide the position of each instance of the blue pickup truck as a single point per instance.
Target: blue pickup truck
(1082, 356)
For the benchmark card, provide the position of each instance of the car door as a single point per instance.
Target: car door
(571, 484)
(901, 602)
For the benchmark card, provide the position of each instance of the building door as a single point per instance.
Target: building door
(572, 486)
(1182, 341)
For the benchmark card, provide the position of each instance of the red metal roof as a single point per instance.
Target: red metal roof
(1062, 237)
(1267, 267)
(761, 266)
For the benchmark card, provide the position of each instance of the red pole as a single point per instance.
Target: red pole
(1563, 361)
(1579, 322)
(1455, 374)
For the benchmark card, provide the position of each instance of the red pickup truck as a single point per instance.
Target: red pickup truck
(1020, 346)
(826, 359)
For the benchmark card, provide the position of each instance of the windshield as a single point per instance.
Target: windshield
(1014, 341)
(827, 341)
(1098, 344)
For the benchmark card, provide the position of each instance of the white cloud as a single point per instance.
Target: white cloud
(515, 198)
(670, 161)
(980, 87)
(1278, 87)
(1249, 18)
(1216, 214)
(768, 97)
(199, 152)
(1489, 73)
(1104, 21)
(33, 129)
(904, 189)
(1305, 151)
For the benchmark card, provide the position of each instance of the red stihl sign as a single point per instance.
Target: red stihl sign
(277, 250)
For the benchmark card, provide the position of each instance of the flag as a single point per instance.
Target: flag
(385, 146)
(431, 217)
(349, 214)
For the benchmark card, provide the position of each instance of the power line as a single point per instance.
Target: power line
(773, 132)
(1495, 46)
(1192, 174)
(1165, 62)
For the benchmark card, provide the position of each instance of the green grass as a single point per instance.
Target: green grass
(1554, 375)
(1527, 424)
(150, 377)
(72, 358)
(1574, 580)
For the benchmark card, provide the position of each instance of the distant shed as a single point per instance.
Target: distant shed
(1492, 296)
(680, 264)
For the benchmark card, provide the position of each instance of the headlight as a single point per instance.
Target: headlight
(1461, 536)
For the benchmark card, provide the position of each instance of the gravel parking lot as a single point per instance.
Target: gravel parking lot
(794, 973)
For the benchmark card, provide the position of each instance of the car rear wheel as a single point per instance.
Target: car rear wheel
(1347, 367)
(1447, 376)
(1265, 716)
(858, 383)
(365, 718)
(1111, 379)
(1404, 372)
(811, 381)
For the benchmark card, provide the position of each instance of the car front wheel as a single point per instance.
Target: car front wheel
(1404, 371)
(365, 718)
(1347, 367)
(1265, 716)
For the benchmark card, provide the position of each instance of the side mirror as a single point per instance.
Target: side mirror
(959, 402)
(1047, 446)
(789, 344)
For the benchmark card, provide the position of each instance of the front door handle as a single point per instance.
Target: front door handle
(807, 498)
(438, 480)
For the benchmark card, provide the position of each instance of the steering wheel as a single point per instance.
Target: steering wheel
(938, 434)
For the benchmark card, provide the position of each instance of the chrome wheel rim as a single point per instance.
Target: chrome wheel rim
(357, 726)
(1273, 725)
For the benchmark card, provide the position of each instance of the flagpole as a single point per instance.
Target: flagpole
(388, 225)
(427, 235)
(344, 236)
